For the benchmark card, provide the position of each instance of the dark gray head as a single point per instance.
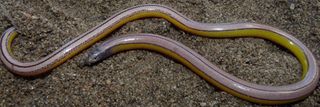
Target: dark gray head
(96, 55)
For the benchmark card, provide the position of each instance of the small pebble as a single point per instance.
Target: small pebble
(292, 6)
(203, 104)
(108, 82)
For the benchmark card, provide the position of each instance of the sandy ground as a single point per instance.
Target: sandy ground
(146, 78)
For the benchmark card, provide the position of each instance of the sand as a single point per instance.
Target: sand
(144, 78)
